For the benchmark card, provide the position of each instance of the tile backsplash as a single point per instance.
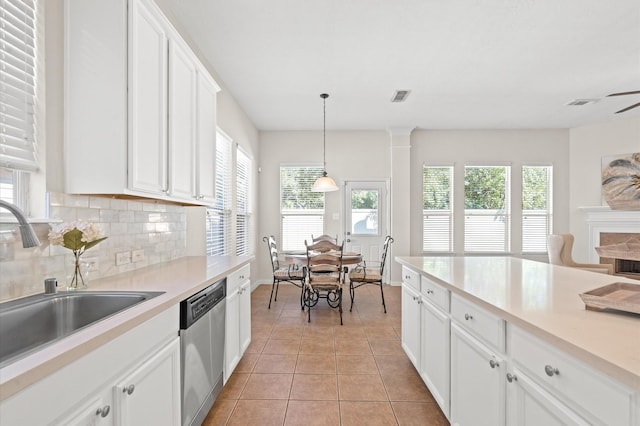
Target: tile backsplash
(157, 228)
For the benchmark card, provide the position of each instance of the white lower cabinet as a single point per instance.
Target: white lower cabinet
(411, 324)
(97, 411)
(434, 360)
(477, 382)
(238, 319)
(530, 405)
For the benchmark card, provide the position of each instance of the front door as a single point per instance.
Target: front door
(366, 216)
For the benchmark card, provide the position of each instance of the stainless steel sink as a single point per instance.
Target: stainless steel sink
(32, 322)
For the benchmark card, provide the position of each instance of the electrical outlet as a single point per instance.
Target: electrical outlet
(92, 263)
(137, 255)
(123, 258)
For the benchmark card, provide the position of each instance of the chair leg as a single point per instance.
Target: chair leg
(271, 296)
(352, 293)
(340, 304)
(382, 293)
(302, 296)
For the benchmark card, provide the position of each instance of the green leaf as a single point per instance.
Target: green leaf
(93, 243)
(73, 239)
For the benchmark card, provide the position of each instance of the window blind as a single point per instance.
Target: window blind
(437, 212)
(302, 211)
(218, 226)
(536, 208)
(18, 84)
(243, 211)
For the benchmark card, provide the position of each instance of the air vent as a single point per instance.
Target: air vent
(581, 102)
(400, 95)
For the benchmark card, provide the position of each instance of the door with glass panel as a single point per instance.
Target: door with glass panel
(366, 218)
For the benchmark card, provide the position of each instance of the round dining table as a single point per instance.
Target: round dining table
(300, 258)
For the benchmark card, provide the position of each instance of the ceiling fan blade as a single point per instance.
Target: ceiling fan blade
(635, 92)
(628, 108)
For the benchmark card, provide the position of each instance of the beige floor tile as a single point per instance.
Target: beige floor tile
(247, 362)
(315, 345)
(352, 346)
(314, 387)
(220, 412)
(406, 388)
(261, 412)
(267, 386)
(367, 413)
(286, 331)
(361, 387)
(382, 332)
(316, 363)
(419, 414)
(312, 413)
(282, 346)
(234, 386)
(386, 347)
(276, 363)
(356, 364)
(256, 346)
(314, 331)
(349, 332)
(394, 365)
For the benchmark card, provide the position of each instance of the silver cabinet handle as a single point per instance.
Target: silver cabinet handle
(104, 411)
(468, 317)
(406, 277)
(551, 371)
(493, 363)
(129, 389)
(511, 378)
(429, 291)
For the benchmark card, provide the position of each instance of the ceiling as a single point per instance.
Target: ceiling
(470, 64)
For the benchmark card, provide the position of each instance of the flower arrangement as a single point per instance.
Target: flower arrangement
(77, 236)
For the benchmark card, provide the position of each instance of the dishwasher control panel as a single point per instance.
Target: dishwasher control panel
(200, 303)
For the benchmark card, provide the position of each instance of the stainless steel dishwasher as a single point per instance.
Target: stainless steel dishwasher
(202, 349)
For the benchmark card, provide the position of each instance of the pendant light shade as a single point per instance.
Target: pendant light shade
(324, 183)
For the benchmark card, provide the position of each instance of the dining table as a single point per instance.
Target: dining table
(300, 258)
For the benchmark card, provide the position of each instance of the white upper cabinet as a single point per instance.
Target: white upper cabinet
(140, 108)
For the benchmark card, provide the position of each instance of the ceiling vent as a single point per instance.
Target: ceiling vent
(581, 102)
(400, 95)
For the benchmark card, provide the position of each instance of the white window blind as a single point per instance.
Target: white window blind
(536, 208)
(302, 211)
(219, 216)
(437, 211)
(18, 84)
(487, 209)
(243, 210)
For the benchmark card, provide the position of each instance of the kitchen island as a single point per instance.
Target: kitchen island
(115, 342)
(519, 313)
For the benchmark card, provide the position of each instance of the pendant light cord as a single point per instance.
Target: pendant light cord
(324, 97)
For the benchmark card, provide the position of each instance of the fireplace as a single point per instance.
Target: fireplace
(614, 238)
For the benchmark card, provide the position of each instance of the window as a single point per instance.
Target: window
(301, 211)
(18, 77)
(219, 216)
(365, 210)
(536, 208)
(486, 209)
(437, 211)
(243, 202)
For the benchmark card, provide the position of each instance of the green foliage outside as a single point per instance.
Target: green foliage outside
(296, 183)
(485, 188)
(436, 184)
(535, 181)
(364, 199)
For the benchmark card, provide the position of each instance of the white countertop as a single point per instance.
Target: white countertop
(544, 300)
(179, 279)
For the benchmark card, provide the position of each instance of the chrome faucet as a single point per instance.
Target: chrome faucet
(29, 237)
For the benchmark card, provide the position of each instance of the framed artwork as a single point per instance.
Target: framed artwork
(621, 181)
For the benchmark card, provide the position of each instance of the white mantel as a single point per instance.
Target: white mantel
(603, 219)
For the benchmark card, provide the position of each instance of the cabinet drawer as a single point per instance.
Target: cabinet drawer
(236, 278)
(411, 277)
(435, 293)
(576, 383)
(480, 322)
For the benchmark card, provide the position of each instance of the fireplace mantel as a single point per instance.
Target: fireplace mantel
(603, 219)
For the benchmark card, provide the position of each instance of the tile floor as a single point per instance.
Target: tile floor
(322, 373)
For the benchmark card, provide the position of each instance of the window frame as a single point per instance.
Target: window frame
(448, 213)
(548, 213)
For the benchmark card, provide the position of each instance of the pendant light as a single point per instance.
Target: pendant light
(324, 183)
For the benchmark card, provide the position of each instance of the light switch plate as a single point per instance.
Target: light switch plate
(137, 255)
(123, 258)
(92, 263)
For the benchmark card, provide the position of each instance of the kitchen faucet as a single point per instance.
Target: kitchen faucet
(29, 237)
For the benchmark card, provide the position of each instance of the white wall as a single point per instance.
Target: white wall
(587, 146)
(516, 147)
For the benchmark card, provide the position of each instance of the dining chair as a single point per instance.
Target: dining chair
(292, 273)
(324, 237)
(325, 275)
(369, 273)
(559, 248)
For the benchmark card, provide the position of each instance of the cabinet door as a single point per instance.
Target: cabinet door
(182, 121)
(477, 382)
(96, 411)
(411, 324)
(434, 352)
(232, 334)
(147, 100)
(150, 394)
(245, 316)
(530, 405)
(206, 136)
